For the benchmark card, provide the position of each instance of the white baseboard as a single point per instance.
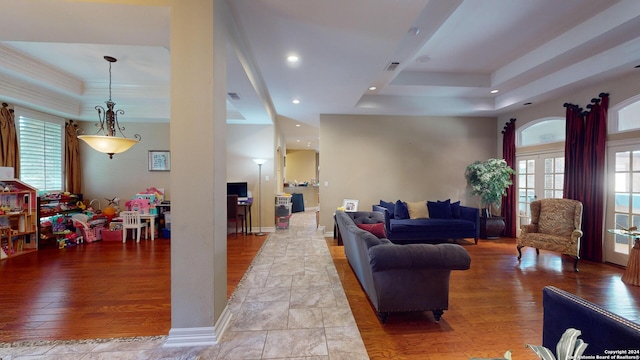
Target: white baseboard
(199, 336)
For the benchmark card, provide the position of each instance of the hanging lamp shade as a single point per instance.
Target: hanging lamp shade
(106, 140)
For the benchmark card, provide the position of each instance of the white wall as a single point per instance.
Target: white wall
(127, 173)
(411, 158)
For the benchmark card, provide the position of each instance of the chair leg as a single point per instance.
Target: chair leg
(124, 235)
(138, 231)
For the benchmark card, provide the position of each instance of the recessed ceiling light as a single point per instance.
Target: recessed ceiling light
(298, 140)
(296, 101)
(372, 88)
(298, 125)
(494, 91)
(293, 58)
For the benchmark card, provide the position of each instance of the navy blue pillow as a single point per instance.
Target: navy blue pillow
(440, 209)
(389, 206)
(455, 210)
(400, 210)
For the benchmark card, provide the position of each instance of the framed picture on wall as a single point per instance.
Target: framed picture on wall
(159, 160)
(350, 205)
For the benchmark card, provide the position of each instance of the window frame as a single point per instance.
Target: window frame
(39, 116)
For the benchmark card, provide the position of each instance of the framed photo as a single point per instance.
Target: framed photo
(159, 160)
(350, 205)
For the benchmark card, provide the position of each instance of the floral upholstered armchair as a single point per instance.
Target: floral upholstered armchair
(556, 226)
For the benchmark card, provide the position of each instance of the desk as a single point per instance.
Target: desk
(632, 272)
(246, 207)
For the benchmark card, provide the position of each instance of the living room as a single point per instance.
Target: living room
(389, 157)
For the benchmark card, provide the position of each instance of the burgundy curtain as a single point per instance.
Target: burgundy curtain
(585, 150)
(509, 202)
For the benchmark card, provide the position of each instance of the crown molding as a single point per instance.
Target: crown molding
(30, 69)
(38, 98)
(100, 90)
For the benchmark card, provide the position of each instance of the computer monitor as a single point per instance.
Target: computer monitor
(237, 188)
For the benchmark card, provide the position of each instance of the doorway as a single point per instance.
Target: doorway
(623, 201)
(539, 176)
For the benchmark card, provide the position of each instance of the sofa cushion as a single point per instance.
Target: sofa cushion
(389, 206)
(400, 210)
(455, 210)
(376, 229)
(430, 225)
(440, 209)
(417, 209)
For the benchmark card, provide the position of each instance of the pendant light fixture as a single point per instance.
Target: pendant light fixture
(106, 140)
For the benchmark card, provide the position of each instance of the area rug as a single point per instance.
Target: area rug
(77, 342)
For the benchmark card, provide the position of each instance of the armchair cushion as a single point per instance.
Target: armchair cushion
(557, 217)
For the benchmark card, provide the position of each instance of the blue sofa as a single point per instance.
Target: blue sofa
(604, 331)
(446, 221)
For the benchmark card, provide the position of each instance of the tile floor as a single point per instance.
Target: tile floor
(289, 305)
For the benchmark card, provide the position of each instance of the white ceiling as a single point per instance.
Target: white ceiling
(51, 54)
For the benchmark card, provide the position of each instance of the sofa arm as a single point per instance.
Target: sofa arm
(470, 213)
(383, 210)
(418, 256)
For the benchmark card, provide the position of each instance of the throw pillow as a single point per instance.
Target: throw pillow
(417, 210)
(400, 211)
(376, 229)
(389, 206)
(455, 210)
(440, 209)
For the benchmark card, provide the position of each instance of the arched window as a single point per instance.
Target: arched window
(542, 131)
(626, 116)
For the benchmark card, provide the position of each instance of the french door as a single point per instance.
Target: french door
(623, 200)
(539, 176)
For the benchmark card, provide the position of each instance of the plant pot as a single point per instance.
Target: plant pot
(491, 227)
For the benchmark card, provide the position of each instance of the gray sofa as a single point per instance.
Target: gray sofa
(399, 278)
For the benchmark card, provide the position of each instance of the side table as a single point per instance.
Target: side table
(631, 274)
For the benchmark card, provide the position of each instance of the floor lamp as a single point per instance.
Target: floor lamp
(260, 162)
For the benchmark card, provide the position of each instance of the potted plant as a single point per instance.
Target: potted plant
(489, 179)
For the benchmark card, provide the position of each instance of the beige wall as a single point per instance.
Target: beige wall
(301, 165)
(369, 158)
(245, 143)
(127, 173)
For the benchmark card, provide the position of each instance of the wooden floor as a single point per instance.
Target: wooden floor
(105, 289)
